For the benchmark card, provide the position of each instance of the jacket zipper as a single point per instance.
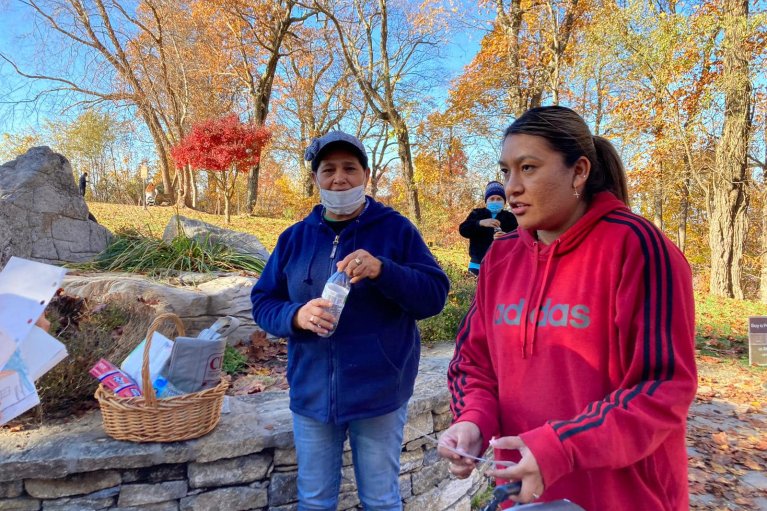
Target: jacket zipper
(335, 246)
(332, 344)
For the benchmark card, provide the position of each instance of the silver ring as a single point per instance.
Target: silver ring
(536, 496)
(357, 261)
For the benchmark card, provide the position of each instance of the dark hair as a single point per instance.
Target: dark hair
(567, 133)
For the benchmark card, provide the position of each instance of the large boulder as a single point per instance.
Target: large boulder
(42, 214)
(239, 242)
(197, 305)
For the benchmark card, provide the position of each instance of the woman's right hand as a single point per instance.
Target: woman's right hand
(314, 316)
(490, 222)
(463, 437)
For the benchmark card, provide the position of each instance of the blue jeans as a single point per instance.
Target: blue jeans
(376, 446)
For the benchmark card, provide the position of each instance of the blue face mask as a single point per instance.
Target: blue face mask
(495, 207)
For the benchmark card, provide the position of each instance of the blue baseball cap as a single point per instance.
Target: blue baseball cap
(335, 140)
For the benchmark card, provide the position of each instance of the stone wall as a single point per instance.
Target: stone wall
(247, 462)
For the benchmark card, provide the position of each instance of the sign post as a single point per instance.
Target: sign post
(757, 340)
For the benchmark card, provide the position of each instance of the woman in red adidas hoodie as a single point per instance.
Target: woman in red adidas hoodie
(576, 359)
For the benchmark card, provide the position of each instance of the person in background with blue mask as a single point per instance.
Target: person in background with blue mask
(483, 225)
(357, 381)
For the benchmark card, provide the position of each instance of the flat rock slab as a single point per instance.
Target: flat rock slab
(255, 423)
(198, 306)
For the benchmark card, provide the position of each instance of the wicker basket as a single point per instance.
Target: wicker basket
(149, 419)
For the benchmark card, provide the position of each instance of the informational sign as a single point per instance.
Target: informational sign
(757, 340)
(143, 170)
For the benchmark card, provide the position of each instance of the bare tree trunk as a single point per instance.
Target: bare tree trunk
(763, 273)
(657, 218)
(681, 235)
(194, 190)
(253, 176)
(184, 198)
(727, 222)
(261, 89)
(308, 178)
(252, 189)
(403, 147)
(162, 155)
(373, 185)
(599, 109)
(225, 188)
(512, 23)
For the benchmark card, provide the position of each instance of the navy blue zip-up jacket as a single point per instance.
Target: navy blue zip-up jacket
(368, 366)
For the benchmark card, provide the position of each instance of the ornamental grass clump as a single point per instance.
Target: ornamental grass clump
(133, 252)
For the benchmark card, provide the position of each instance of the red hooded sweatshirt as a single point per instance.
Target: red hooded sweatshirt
(600, 385)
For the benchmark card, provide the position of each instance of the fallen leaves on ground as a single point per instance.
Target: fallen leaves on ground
(727, 437)
(266, 366)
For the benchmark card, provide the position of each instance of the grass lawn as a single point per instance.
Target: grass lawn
(152, 222)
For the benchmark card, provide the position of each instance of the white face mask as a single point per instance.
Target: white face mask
(344, 202)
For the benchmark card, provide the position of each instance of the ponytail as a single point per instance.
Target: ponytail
(610, 174)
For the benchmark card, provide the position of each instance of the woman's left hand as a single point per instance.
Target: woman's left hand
(359, 265)
(43, 323)
(526, 470)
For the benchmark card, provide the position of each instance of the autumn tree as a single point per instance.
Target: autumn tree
(255, 33)
(13, 145)
(442, 163)
(88, 142)
(143, 55)
(442, 173)
(522, 58)
(101, 33)
(315, 96)
(662, 93)
(387, 46)
(727, 222)
(380, 143)
(760, 162)
(224, 147)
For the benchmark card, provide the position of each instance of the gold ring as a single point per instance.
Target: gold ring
(357, 261)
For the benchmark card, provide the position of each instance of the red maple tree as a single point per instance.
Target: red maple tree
(225, 147)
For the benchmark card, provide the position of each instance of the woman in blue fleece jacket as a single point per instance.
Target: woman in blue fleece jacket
(358, 380)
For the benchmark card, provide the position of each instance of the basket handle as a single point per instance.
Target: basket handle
(149, 395)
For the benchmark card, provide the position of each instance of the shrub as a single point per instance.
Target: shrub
(90, 331)
(444, 326)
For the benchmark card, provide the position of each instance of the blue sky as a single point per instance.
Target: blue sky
(17, 23)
